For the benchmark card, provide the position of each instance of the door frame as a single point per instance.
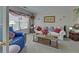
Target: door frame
(5, 28)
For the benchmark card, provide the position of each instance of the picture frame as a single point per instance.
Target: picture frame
(49, 19)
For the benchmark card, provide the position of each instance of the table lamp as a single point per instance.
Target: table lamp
(70, 28)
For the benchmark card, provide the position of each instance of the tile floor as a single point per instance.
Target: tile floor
(66, 46)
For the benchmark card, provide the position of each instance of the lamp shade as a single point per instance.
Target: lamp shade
(70, 28)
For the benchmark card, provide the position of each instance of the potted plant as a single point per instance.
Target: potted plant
(76, 11)
(76, 15)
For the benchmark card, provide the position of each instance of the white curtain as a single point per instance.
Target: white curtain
(20, 22)
(24, 22)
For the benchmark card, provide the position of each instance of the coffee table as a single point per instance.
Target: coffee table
(46, 40)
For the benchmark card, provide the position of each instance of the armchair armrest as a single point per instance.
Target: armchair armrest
(17, 34)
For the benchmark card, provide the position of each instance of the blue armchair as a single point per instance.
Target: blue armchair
(19, 39)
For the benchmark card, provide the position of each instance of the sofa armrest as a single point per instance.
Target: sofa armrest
(39, 32)
(62, 33)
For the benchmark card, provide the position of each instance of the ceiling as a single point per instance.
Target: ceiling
(44, 9)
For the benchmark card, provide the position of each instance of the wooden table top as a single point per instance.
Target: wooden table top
(47, 36)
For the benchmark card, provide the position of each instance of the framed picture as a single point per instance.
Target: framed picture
(49, 19)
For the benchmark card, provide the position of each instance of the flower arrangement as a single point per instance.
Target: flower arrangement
(76, 11)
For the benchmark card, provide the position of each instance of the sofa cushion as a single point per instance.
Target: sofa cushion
(57, 30)
(45, 31)
(54, 34)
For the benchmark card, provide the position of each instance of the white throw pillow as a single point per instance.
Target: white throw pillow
(14, 49)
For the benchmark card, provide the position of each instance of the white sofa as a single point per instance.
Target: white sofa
(60, 35)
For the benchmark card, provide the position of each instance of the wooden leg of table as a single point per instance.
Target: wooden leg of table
(35, 38)
(57, 44)
(54, 43)
(50, 42)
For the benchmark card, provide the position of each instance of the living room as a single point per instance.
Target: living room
(64, 18)
(43, 29)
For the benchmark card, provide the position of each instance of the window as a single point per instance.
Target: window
(18, 22)
(24, 22)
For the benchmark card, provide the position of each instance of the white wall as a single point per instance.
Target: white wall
(58, 12)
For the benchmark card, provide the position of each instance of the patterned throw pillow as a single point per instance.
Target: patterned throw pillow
(57, 30)
(45, 31)
(39, 28)
(11, 35)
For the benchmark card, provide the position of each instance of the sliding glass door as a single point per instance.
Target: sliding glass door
(18, 22)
